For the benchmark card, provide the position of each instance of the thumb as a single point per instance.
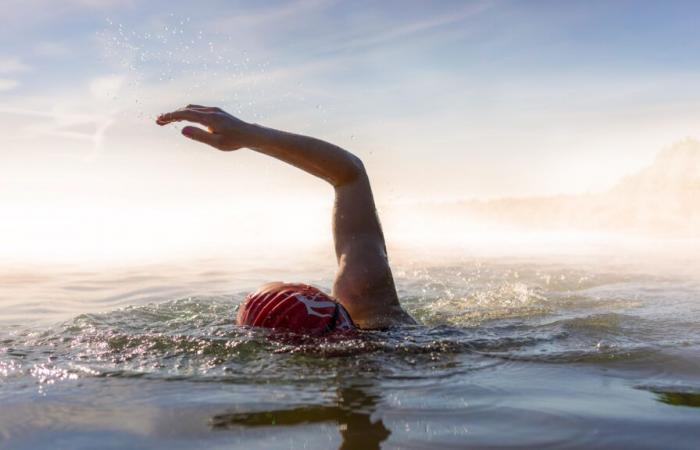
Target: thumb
(198, 134)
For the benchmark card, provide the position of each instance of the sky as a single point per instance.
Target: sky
(443, 100)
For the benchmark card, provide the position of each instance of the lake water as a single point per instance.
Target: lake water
(533, 351)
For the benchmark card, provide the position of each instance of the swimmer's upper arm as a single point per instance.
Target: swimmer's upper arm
(364, 282)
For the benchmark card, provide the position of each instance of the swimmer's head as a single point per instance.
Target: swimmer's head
(298, 308)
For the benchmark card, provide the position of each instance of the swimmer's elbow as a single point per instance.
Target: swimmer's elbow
(353, 170)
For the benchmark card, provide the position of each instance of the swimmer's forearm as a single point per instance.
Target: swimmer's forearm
(228, 133)
(317, 157)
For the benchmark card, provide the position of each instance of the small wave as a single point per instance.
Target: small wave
(509, 300)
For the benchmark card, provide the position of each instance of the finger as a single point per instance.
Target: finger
(204, 108)
(198, 134)
(191, 115)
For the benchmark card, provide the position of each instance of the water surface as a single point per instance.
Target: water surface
(527, 352)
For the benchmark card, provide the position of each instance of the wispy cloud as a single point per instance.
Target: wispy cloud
(12, 65)
(62, 124)
(104, 88)
(104, 3)
(360, 41)
(233, 22)
(74, 117)
(50, 49)
(7, 84)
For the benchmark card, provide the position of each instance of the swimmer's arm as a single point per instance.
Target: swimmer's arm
(364, 283)
(227, 133)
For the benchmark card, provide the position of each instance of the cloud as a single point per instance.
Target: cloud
(104, 3)
(75, 116)
(12, 65)
(407, 29)
(63, 123)
(50, 49)
(107, 87)
(269, 15)
(7, 84)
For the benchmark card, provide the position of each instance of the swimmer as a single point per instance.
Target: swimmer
(364, 294)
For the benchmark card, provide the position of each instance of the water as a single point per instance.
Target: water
(526, 352)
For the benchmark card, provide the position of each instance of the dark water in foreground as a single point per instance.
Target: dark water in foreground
(511, 354)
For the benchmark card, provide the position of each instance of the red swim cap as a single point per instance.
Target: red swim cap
(294, 307)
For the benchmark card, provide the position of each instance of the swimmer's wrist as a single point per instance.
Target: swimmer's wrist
(268, 140)
(258, 136)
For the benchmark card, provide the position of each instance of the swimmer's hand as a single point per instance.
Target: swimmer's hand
(223, 131)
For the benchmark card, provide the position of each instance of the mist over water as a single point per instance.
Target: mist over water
(579, 349)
